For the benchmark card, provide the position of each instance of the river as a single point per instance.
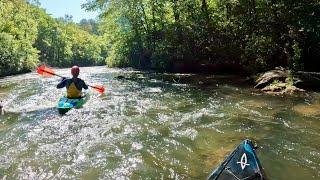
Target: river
(152, 126)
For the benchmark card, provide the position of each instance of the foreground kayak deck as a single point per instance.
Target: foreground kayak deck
(241, 164)
(65, 104)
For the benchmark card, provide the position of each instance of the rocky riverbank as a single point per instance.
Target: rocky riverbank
(281, 81)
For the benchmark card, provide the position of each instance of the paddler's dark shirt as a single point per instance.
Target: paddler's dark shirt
(79, 83)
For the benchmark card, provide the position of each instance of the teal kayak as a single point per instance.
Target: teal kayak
(65, 104)
(241, 164)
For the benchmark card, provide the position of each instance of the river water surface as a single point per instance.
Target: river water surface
(152, 126)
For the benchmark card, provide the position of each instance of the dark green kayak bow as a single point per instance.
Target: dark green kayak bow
(241, 164)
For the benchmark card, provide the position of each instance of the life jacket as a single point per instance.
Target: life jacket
(73, 91)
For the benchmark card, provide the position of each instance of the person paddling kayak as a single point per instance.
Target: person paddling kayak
(74, 85)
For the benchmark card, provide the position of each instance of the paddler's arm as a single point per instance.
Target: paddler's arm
(84, 85)
(62, 83)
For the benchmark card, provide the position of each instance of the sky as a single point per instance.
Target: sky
(59, 8)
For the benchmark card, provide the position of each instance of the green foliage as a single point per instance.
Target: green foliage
(161, 34)
(28, 34)
(63, 43)
(258, 51)
(89, 25)
(17, 34)
(275, 82)
(117, 55)
(290, 79)
(258, 34)
(296, 59)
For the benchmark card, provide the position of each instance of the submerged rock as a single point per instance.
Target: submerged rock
(307, 110)
(120, 77)
(256, 103)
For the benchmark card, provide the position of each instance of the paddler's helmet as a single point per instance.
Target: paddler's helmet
(75, 70)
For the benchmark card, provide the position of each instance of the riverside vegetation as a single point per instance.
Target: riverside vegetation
(165, 35)
(28, 35)
(171, 34)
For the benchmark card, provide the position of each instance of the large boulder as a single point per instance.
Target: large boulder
(307, 109)
(279, 82)
(269, 77)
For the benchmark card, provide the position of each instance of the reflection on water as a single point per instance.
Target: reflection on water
(152, 125)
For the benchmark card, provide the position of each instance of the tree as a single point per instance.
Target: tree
(257, 34)
(89, 25)
(28, 34)
(17, 34)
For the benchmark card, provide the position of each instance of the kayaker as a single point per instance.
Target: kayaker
(74, 85)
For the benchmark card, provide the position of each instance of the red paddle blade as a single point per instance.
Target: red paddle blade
(45, 71)
(99, 89)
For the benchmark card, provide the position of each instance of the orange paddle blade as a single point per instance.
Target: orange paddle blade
(45, 71)
(99, 89)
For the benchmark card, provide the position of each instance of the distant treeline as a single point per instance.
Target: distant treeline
(28, 36)
(256, 34)
(164, 34)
